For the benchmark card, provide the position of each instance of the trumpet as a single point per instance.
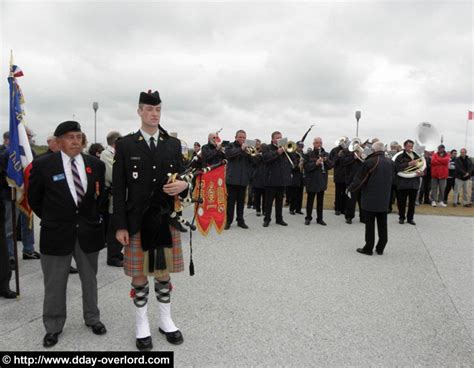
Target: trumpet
(251, 150)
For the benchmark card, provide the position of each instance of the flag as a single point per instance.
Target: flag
(470, 115)
(213, 209)
(20, 155)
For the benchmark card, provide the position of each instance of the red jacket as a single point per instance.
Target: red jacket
(439, 166)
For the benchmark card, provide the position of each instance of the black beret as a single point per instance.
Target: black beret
(150, 98)
(67, 126)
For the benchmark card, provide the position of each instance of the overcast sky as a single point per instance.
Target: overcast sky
(232, 65)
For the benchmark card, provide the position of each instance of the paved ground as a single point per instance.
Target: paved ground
(296, 296)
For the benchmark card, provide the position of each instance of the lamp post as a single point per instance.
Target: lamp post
(95, 106)
(357, 116)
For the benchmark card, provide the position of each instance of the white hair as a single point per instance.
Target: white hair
(378, 146)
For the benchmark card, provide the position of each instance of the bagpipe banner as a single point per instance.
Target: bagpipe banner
(19, 150)
(211, 188)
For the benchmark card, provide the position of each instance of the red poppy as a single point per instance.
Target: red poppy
(88, 170)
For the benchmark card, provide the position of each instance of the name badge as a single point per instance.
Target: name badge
(59, 177)
(135, 158)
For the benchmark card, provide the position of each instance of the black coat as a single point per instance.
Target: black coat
(62, 222)
(401, 163)
(463, 167)
(259, 172)
(374, 180)
(211, 155)
(296, 174)
(339, 174)
(315, 179)
(277, 168)
(137, 172)
(239, 165)
(351, 166)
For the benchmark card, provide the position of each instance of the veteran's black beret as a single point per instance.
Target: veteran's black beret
(150, 98)
(67, 126)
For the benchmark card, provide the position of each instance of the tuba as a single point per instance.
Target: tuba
(361, 150)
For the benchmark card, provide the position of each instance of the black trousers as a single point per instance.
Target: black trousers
(235, 195)
(319, 205)
(5, 271)
(449, 186)
(402, 195)
(259, 198)
(114, 248)
(351, 205)
(340, 204)
(250, 198)
(425, 190)
(296, 198)
(274, 194)
(393, 195)
(370, 230)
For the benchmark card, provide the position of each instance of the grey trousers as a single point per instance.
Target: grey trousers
(438, 186)
(56, 273)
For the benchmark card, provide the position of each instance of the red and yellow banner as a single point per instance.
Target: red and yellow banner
(214, 195)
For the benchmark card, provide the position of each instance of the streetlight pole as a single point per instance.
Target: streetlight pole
(95, 106)
(357, 116)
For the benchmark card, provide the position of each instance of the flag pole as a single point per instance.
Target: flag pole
(15, 243)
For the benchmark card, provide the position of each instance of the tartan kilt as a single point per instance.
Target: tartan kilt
(135, 260)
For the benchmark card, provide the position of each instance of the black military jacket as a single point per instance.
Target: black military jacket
(239, 165)
(277, 167)
(137, 172)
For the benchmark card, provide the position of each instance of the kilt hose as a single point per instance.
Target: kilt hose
(135, 260)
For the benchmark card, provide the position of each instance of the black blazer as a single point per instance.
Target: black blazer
(239, 163)
(137, 172)
(277, 167)
(62, 222)
(315, 179)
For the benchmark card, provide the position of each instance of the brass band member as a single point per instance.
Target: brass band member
(339, 178)
(316, 166)
(374, 180)
(142, 205)
(352, 165)
(407, 187)
(277, 177)
(212, 152)
(258, 186)
(237, 178)
(295, 189)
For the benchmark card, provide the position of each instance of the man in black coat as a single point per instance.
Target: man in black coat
(277, 177)
(295, 190)
(143, 203)
(317, 163)
(407, 187)
(212, 152)
(64, 191)
(258, 183)
(374, 180)
(352, 165)
(237, 178)
(339, 176)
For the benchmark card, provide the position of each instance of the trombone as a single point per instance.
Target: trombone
(288, 147)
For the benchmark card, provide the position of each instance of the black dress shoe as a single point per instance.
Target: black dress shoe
(115, 263)
(299, 213)
(282, 223)
(8, 294)
(73, 270)
(12, 263)
(349, 221)
(337, 213)
(98, 328)
(411, 222)
(31, 255)
(379, 252)
(145, 343)
(243, 225)
(292, 212)
(50, 339)
(266, 223)
(174, 338)
(259, 214)
(363, 251)
(307, 221)
(401, 221)
(321, 222)
(227, 226)
(362, 221)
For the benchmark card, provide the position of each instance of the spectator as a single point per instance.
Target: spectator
(95, 150)
(463, 172)
(425, 188)
(451, 175)
(6, 142)
(439, 175)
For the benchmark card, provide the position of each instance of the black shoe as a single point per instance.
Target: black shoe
(349, 221)
(174, 338)
(98, 328)
(12, 263)
(145, 343)
(379, 252)
(337, 213)
(243, 225)
(299, 213)
(401, 221)
(307, 221)
(389, 210)
(8, 294)
(259, 214)
(292, 212)
(321, 222)
(115, 263)
(227, 226)
(31, 255)
(73, 270)
(266, 223)
(362, 221)
(282, 223)
(363, 251)
(411, 222)
(50, 339)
